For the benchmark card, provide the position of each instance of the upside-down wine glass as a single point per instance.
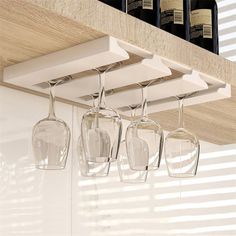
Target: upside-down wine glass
(182, 149)
(101, 128)
(126, 174)
(51, 138)
(87, 168)
(144, 140)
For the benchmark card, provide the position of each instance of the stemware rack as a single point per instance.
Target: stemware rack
(75, 66)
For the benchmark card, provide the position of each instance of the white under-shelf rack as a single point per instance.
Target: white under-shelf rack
(137, 65)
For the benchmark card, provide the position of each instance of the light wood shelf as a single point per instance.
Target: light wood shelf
(31, 28)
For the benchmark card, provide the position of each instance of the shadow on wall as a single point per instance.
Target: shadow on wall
(20, 190)
(204, 205)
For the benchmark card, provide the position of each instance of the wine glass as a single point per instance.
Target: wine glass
(88, 168)
(126, 174)
(182, 149)
(101, 128)
(144, 140)
(51, 138)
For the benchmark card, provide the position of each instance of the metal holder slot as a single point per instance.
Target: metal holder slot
(213, 93)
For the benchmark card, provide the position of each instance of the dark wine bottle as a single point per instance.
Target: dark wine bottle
(146, 10)
(175, 17)
(150, 12)
(204, 24)
(118, 4)
(134, 8)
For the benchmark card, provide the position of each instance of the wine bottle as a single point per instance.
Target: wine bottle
(118, 4)
(150, 12)
(204, 24)
(134, 8)
(146, 10)
(175, 17)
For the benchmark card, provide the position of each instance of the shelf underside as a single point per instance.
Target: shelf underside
(34, 28)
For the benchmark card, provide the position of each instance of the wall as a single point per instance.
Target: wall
(62, 203)
(32, 202)
(227, 28)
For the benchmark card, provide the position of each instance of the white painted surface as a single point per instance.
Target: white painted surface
(227, 28)
(104, 51)
(183, 85)
(82, 57)
(145, 70)
(32, 202)
(61, 203)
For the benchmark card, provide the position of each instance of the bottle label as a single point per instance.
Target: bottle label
(148, 4)
(133, 4)
(201, 24)
(172, 11)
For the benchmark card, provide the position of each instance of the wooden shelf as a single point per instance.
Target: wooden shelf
(31, 28)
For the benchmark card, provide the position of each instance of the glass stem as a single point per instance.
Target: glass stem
(51, 114)
(101, 97)
(181, 113)
(132, 113)
(144, 101)
(95, 99)
(95, 104)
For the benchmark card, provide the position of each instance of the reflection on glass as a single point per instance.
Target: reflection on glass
(144, 140)
(4, 175)
(51, 139)
(101, 129)
(88, 168)
(126, 174)
(182, 149)
(91, 169)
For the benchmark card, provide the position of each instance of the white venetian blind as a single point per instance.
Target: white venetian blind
(227, 28)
